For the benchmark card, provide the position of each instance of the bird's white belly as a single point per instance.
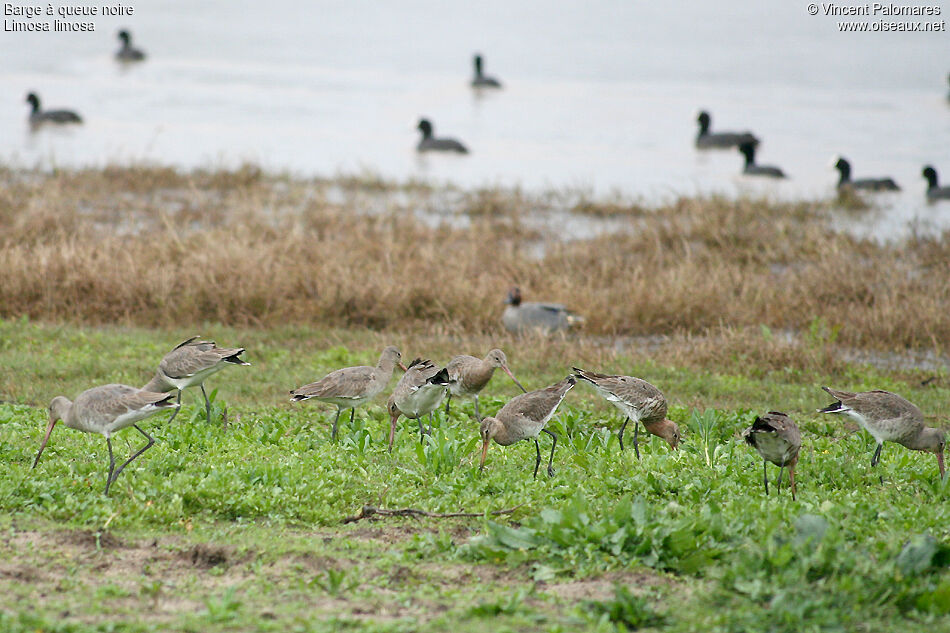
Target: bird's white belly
(127, 419)
(877, 431)
(194, 379)
(773, 448)
(422, 401)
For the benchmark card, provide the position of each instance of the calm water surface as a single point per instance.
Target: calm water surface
(598, 94)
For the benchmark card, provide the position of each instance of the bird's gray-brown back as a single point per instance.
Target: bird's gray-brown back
(101, 405)
(775, 436)
(193, 356)
(636, 393)
(537, 405)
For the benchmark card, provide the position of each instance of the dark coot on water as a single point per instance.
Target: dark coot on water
(38, 116)
(934, 190)
(751, 169)
(720, 140)
(480, 80)
(431, 143)
(128, 53)
(865, 184)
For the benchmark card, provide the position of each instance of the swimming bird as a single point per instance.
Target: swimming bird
(469, 375)
(524, 418)
(480, 80)
(419, 392)
(888, 418)
(639, 401)
(351, 387)
(720, 140)
(128, 53)
(38, 116)
(751, 169)
(867, 184)
(428, 142)
(934, 191)
(777, 439)
(539, 318)
(190, 364)
(105, 410)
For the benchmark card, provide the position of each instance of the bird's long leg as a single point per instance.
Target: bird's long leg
(765, 476)
(336, 421)
(178, 408)
(791, 479)
(151, 440)
(636, 439)
(778, 482)
(207, 403)
(392, 431)
(551, 458)
(422, 430)
(448, 401)
(430, 423)
(877, 455)
(478, 416)
(537, 462)
(111, 465)
(620, 435)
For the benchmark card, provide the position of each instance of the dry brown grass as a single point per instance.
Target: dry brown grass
(151, 246)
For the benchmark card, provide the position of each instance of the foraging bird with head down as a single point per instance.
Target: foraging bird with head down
(524, 417)
(777, 439)
(639, 401)
(107, 410)
(190, 364)
(888, 418)
(419, 392)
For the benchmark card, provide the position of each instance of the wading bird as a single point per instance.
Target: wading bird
(190, 364)
(524, 418)
(105, 410)
(419, 392)
(777, 439)
(469, 375)
(639, 401)
(351, 387)
(888, 418)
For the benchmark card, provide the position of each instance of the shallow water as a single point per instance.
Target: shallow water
(598, 94)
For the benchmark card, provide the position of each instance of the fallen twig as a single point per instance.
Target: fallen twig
(367, 511)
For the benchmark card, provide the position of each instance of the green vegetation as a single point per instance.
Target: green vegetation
(237, 524)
